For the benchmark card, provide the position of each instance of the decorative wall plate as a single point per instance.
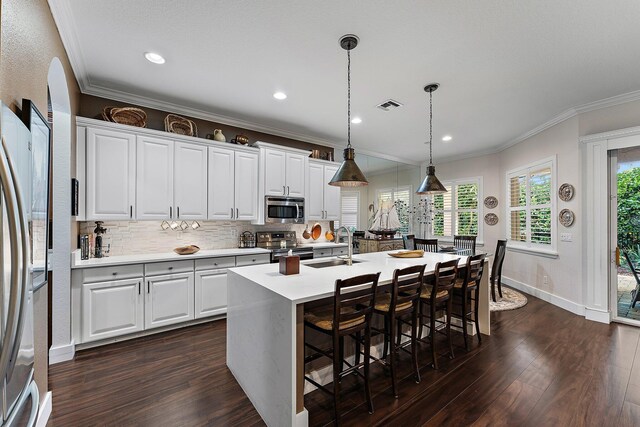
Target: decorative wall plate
(491, 219)
(490, 202)
(566, 192)
(566, 217)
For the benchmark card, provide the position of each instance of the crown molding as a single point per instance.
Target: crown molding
(603, 136)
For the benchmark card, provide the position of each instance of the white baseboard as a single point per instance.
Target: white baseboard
(571, 306)
(45, 410)
(62, 353)
(597, 315)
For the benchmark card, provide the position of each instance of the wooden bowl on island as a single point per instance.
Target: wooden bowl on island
(186, 250)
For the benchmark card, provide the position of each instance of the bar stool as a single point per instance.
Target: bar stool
(398, 307)
(437, 295)
(353, 302)
(427, 245)
(408, 242)
(467, 290)
(466, 243)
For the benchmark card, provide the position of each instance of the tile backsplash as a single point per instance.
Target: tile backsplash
(132, 237)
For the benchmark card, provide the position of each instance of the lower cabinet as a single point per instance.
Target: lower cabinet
(112, 308)
(379, 245)
(211, 293)
(169, 300)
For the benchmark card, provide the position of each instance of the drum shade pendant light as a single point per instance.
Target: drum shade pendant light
(349, 174)
(431, 184)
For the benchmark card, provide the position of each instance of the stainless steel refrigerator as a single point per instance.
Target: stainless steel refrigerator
(22, 212)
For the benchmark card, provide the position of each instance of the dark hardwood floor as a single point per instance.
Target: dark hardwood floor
(542, 366)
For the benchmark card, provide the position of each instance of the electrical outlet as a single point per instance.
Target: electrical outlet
(234, 233)
(566, 237)
(545, 280)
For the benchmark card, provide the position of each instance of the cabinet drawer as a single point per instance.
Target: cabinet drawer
(343, 250)
(215, 263)
(103, 274)
(242, 260)
(169, 267)
(321, 253)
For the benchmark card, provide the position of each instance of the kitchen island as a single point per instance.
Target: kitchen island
(265, 325)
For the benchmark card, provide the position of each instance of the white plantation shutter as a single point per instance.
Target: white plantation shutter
(350, 207)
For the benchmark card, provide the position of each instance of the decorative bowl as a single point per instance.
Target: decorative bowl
(186, 250)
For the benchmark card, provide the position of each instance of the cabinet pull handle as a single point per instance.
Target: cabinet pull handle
(148, 291)
(287, 190)
(170, 212)
(138, 288)
(178, 208)
(130, 211)
(237, 213)
(231, 213)
(284, 190)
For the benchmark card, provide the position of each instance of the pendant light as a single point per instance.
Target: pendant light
(349, 174)
(431, 184)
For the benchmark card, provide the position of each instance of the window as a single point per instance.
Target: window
(458, 210)
(531, 206)
(403, 195)
(349, 212)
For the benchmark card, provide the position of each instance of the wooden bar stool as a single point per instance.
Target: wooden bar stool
(408, 242)
(496, 270)
(465, 243)
(398, 307)
(427, 245)
(467, 291)
(437, 295)
(351, 313)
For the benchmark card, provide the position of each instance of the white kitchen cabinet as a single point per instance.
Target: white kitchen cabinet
(323, 200)
(154, 178)
(112, 308)
(168, 299)
(284, 173)
(233, 184)
(110, 174)
(210, 293)
(190, 181)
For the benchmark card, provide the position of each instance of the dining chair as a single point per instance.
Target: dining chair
(496, 270)
(437, 296)
(427, 245)
(466, 295)
(353, 304)
(400, 306)
(465, 243)
(408, 241)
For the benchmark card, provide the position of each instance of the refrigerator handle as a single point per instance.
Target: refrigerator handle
(30, 391)
(24, 288)
(14, 295)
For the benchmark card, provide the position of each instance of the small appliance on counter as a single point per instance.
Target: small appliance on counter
(280, 242)
(100, 252)
(247, 240)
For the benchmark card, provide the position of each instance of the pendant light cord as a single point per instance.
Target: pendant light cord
(431, 128)
(348, 98)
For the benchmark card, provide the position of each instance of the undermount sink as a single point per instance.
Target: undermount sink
(335, 262)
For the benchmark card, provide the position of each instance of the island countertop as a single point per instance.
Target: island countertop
(316, 283)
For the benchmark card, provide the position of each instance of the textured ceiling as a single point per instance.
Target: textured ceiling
(505, 67)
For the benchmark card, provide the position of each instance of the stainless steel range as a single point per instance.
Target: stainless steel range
(280, 243)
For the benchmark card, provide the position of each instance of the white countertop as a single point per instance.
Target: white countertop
(76, 262)
(316, 283)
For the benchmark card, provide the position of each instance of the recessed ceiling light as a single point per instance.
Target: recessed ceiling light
(156, 58)
(447, 138)
(356, 120)
(280, 96)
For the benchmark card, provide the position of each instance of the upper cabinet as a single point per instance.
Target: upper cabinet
(323, 200)
(110, 174)
(284, 172)
(154, 189)
(233, 184)
(190, 181)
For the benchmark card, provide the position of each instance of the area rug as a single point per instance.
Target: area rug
(511, 299)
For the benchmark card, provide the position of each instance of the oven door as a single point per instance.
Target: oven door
(284, 210)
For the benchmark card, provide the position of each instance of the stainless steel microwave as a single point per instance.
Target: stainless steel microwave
(284, 210)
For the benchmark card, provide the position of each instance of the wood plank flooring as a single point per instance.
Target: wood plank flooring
(542, 366)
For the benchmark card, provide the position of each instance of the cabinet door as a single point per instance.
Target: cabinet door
(154, 178)
(111, 174)
(169, 300)
(210, 293)
(274, 173)
(221, 183)
(190, 181)
(314, 203)
(246, 186)
(295, 173)
(331, 195)
(111, 308)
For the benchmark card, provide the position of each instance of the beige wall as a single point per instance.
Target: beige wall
(29, 40)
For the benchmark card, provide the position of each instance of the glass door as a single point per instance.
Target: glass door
(625, 234)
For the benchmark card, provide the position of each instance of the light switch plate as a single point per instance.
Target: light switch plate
(566, 237)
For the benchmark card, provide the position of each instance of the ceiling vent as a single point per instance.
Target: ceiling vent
(389, 104)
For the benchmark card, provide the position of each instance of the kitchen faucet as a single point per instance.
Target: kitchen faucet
(349, 257)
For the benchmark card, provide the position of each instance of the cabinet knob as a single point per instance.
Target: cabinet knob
(114, 273)
(170, 268)
(253, 260)
(215, 263)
